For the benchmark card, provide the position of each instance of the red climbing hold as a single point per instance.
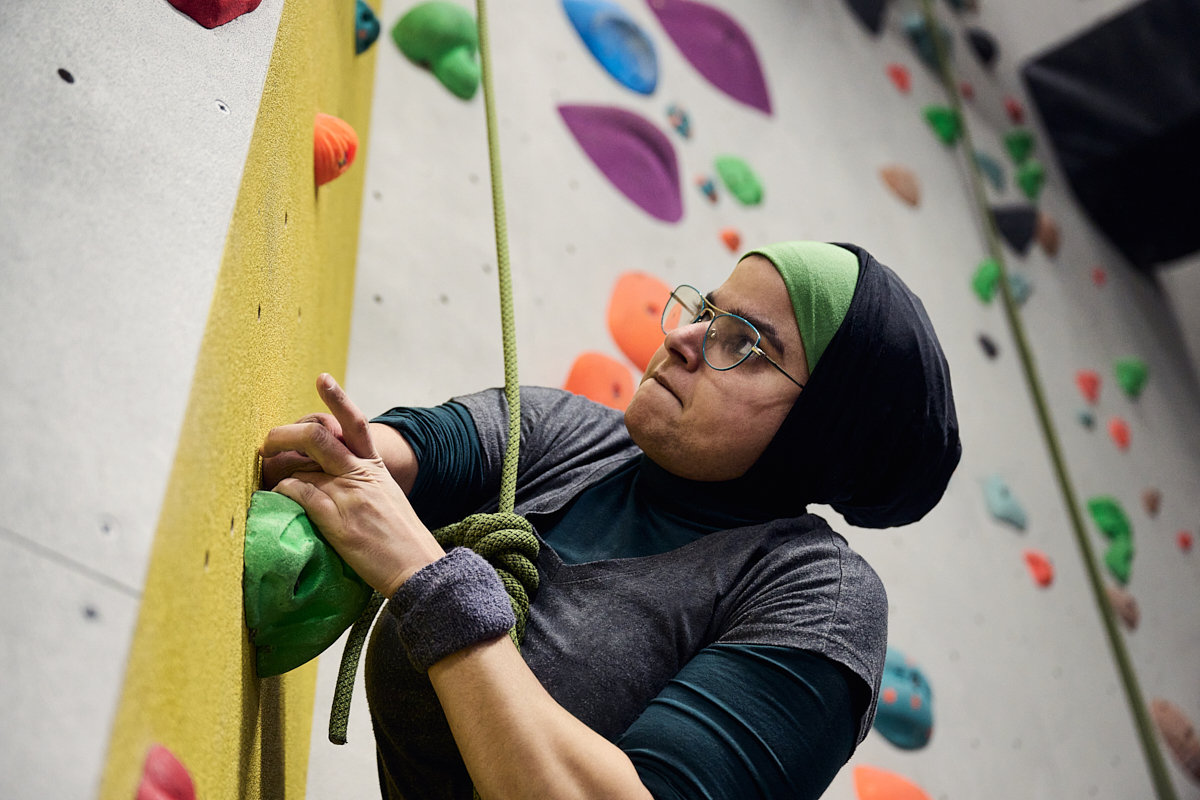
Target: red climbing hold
(966, 90)
(1040, 567)
(900, 76)
(164, 777)
(635, 315)
(1184, 540)
(889, 695)
(1014, 109)
(1118, 429)
(602, 379)
(334, 146)
(1099, 276)
(1088, 381)
(731, 238)
(213, 13)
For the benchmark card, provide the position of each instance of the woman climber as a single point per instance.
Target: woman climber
(696, 633)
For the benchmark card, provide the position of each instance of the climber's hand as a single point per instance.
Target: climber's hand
(353, 499)
(287, 463)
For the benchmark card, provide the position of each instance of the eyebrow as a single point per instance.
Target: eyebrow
(763, 327)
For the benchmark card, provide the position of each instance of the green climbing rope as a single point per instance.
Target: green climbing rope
(1163, 787)
(505, 539)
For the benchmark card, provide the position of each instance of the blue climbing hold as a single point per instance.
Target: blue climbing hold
(1086, 418)
(904, 715)
(922, 39)
(616, 41)
(1002, 504)
(366, 27)
(1019, 287)
(991, 170)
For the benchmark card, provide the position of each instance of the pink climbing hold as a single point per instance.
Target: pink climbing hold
(1099, 276)
(1118, 429)
(164, 777)
(214, 13)
(1014, 109)
(966, 90)
(1088, 381)
(1040, 567)
(900, 77)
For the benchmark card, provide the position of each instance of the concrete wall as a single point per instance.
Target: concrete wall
(1026, 696)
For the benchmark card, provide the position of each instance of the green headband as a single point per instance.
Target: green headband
(820, 280)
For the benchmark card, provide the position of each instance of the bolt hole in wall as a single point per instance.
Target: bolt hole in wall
(206, 560)
(222, 107)
(66, 75)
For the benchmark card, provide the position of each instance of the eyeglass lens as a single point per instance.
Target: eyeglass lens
(729, 339)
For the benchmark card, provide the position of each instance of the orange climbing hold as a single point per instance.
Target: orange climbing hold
(164, 777)
(903, 183)
(889, 695)
(1088, 381)
(1184, 540)
(900, 76)
(1180, 735)
(602, 379)
(1118, 429)
(1014, 109)
(731, 238)
(635, 315)
(1151, 500)
(1040, 568)
(1125, 606)
(873, 783)
(1047, 233)
(334, 146)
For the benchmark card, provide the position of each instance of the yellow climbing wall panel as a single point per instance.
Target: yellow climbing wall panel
(280, 314)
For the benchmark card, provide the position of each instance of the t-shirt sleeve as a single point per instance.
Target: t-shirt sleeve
(746, 721)
(450, 482)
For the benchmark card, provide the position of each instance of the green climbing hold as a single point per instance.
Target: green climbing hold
(299, 593)
(1113, 522)
(442, 36)
(1132, 374)
(1019, 144)
(991, 170)
(1030, 177)
(946, 123)
(1119, 559)
(986, 279)
(740, 180)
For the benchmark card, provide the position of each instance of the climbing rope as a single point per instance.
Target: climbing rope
(1163, 787)
(505, 539)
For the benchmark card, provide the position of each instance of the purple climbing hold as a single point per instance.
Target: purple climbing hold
(632, 153)
(717, 47)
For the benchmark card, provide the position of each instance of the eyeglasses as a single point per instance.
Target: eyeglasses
(729, 340)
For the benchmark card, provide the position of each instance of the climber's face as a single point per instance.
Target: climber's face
(707, 424)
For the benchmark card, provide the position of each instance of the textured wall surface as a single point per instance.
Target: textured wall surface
(1026, 697)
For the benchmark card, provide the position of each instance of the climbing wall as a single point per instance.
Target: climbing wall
(170, 286)
(614, 151)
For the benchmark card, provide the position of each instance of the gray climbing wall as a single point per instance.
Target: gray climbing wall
(116, 190)
(1026, 697)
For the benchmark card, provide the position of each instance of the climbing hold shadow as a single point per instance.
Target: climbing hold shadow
(1002, 504)
(1015, 110)
(680, 120)
(1118, 430)
(717, 47)
(869, 13)
(990, 348)
(1124, 605)
(708, 187)
(366, 27)
(617, 42)
(1030, 177)
(1041, 569)
(991, 170)
(922, 41)
(635, 316)
(731, 238)
(739, 179)
(983, 44)
(1016, 224)
(904, 714)
(601, 379)
(1088, 381)
(903, 183)
(872, 783)
(1048, 234)
(1113, 523)
(164, 777)
(214, 13)
(1132, 374)
(442, 37)
(299, 593)
(1180, 735)
(900, 77)
(945, 123)
(985, 279)
(1151, 501)
(1019, 144)
(334, 145)
(635, 156)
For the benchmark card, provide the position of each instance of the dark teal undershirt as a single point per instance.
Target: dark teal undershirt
(738, 720)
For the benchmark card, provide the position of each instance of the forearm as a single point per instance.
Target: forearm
(517, 742)
(397, 454)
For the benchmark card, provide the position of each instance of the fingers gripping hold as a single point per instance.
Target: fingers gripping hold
(356, 433)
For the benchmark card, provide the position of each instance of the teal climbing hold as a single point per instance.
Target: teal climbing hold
(1002, 504)
(1030, 177)
(991, 170)
(1086, 418)
(740, 180)
(366, 27)
(1019, 287)
(442, 36)
(1113, 522)
(945, 122)
(922, 41)
(904, 715)
(1019, 144)
(985, 280)
(1132, 374)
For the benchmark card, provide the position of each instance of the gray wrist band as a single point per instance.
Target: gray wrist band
(453, 603)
